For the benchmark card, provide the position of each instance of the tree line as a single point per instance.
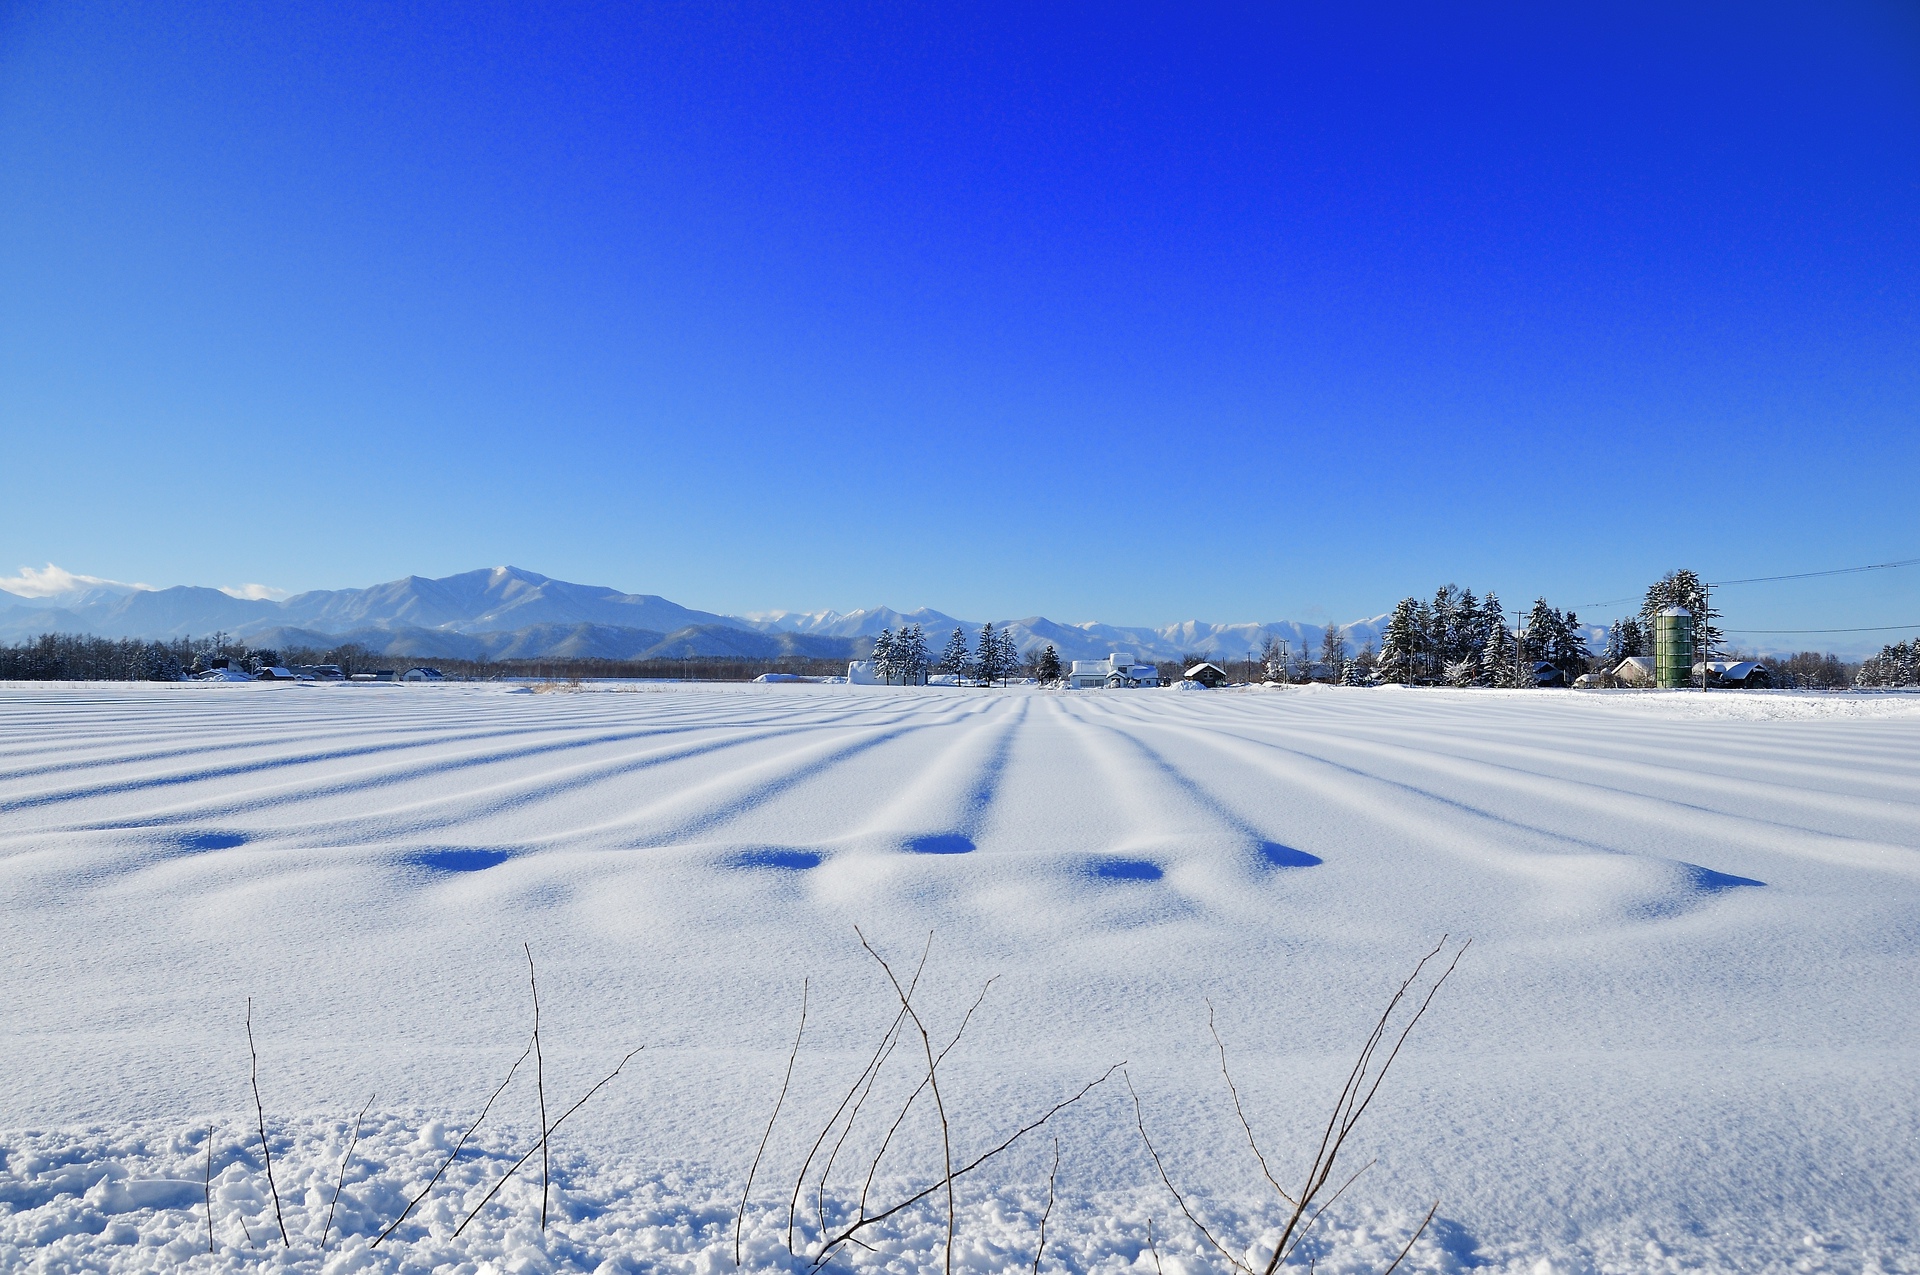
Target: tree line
(78, 658)
(1457, 639)
(1897, 664)
(905, 657)
(64, 657)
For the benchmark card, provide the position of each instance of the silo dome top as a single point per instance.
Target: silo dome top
(1682, 611)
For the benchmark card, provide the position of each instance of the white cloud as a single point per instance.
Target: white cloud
(54, 581)
(256, 592)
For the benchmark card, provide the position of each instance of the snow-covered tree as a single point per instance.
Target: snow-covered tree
(1625, 639)
(1895, 665)
(1009, 653)
(1542, 631)
(1469, 630)
(1399, 645)
(1570, 654)
(908, 655)
(987, 668)
(1350, 674)
(1440, 631)
(1684, 589)
(1498, 651)
(956, 657)
(1047, 667)
(883, 655)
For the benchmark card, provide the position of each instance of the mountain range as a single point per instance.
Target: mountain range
(506, 613)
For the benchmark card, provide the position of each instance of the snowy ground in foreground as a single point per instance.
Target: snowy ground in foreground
(1686, 1037)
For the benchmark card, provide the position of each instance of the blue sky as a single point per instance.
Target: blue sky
(1114, 313)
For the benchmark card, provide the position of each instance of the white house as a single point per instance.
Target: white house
(1117, 670)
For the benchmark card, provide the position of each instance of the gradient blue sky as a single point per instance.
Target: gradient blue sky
(1119, 313)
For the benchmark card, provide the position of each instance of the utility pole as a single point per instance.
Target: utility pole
(1519, 651)
(1706, 651)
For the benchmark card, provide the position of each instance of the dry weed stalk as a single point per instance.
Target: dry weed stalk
(1356, 1095)
(951, 1173)
(341, 1181)
(209, 1188)
(260, 1113)
(1053, 1176)
(540, 1076)
(740, 1216)
(933, 1079)
(551, 1129)
(868, 1076)
(457, 1147)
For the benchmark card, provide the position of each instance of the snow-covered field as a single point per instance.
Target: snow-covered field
(1686, 1036)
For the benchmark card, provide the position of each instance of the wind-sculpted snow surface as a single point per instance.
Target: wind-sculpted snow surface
(1686, 1036)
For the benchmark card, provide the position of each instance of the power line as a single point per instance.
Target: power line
(1801, 575)
(1808, 575)
(1881, 628)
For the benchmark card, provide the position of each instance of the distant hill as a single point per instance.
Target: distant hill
(509, 613)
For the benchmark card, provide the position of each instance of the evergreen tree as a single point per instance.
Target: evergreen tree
(1009, 653)
(908, 654)
(1896, 665)
(1542, 632)
(1570, 654)
(883, 656)
(986, 658)
(1497, 649)
(1350, 674)
(1398, 645)
(956, 657)
(1469, 630)
(1047, 667)
(1684, 589)
(1441, 630)
(1624, 640)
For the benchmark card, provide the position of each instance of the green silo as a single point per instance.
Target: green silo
(1673, 648)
